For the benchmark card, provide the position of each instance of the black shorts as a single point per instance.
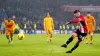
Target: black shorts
(80, 35)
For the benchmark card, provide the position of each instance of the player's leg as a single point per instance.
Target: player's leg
(80, 38)
(75, 46)
(11, 36)
(86, 39)
(50, 32)
(91, 34)
(91, 37)
(50, 37)
(0, 31)
(69, 40)
(47, 34)
(87, 35)
(8, 36)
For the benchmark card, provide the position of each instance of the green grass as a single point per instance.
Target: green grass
(36, 45)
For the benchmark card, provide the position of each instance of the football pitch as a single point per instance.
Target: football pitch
(36, 45)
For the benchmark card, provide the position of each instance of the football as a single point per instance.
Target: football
(21, 36)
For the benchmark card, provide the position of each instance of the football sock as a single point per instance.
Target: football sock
(76, 45)
(11, 36)
(8, 37)
(86, 38)
(69, 40)
(91, 39)
(50, 35)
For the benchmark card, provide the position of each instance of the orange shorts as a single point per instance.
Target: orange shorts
(9, 32)
(48, 30)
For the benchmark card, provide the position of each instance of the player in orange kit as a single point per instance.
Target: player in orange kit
(48, 26)
(91, 26)
(9, 29)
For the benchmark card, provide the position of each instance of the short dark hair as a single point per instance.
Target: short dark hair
(49, 13)
(89, 12)
(76, 11)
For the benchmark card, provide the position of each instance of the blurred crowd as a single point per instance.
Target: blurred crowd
(29, 14)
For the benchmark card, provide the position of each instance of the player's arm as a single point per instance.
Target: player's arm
(14, 25)
(52, 23)
(44, 23)
(74, 21)
(94, 22)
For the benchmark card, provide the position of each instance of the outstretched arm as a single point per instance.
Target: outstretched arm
(74, 21)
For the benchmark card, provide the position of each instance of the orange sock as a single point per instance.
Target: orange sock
(86, 39)
(50, 37)
(91, 39)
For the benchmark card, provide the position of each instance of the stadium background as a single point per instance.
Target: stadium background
(33, 11)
